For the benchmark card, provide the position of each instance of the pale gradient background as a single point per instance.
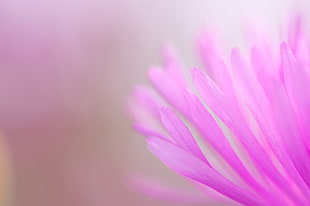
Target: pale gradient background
(66, 69)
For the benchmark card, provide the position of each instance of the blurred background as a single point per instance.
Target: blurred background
(66, 70)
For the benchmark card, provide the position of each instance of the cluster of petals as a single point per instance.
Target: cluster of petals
(238, 125)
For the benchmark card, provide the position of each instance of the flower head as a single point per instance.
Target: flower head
(241, 126)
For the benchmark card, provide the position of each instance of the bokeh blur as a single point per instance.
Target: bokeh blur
(66, 70)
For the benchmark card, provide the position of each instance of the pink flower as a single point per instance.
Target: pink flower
(241, 126)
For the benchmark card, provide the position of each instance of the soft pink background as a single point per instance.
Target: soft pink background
(66, 69)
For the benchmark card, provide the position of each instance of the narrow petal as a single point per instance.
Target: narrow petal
(181, 133)
(296, 79)
(214, 135)
(173, 66)
(230, 116)
(167, 87)
(148, 131)
(191, 167)
(290, 130)
(146, 98)
(167, 192)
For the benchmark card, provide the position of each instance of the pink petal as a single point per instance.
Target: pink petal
(216, 138)
(180, 133)
(168, 87)
(173, 66)
(191, 167)
(233, 119)
(163, 191)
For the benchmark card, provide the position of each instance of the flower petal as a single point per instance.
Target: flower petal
(180, 133)
(191, 167)
(168, 87)
(233, 119)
